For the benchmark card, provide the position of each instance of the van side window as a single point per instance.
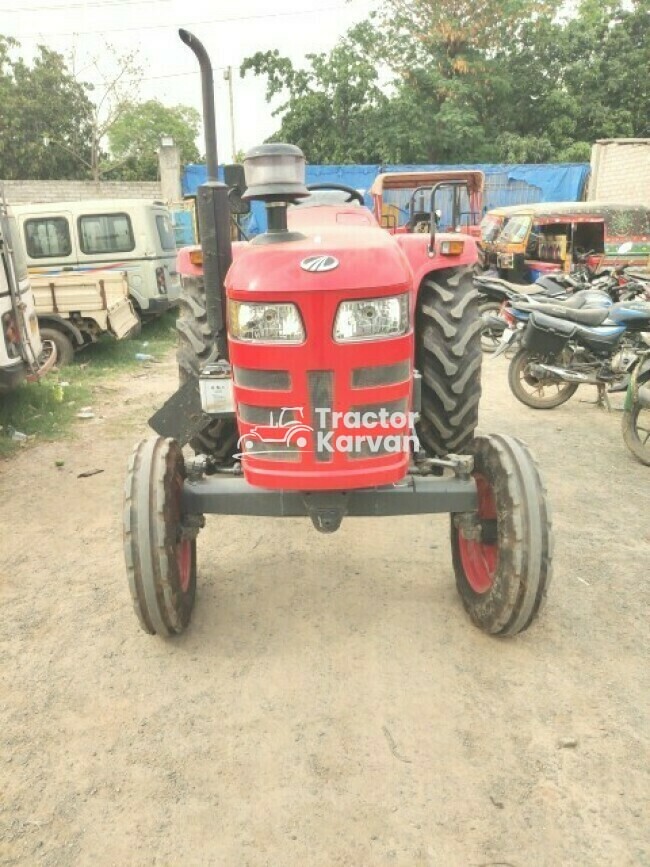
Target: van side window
(165, 232)
(47, 237)
(106, 233)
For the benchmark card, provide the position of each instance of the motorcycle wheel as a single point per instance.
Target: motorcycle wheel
(533, 392)
(490, 339)
(636, 428)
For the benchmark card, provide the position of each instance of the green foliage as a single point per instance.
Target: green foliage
(135, 135)
(53, 126)
(45, 117)
(469, 80)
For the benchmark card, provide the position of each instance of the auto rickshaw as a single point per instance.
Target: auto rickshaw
(538, 239)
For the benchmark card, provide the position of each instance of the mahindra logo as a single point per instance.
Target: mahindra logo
(319, 263)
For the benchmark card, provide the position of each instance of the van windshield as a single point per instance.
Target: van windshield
(165, 232)
(515, 230)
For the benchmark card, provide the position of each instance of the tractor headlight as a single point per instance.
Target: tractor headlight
(370, 319)
(265, 322)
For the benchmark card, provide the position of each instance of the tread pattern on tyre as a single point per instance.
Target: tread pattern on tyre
(149, 541)
(195, 344)
(449, 356)
(525, 539)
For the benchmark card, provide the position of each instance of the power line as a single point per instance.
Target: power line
(67, 6)
(51, 36)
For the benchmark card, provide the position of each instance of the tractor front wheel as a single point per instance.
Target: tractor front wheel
(502, 555)
(160, 550)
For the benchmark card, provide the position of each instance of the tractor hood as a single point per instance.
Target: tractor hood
(342, 249)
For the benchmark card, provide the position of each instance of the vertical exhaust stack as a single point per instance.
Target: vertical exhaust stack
(213, 209)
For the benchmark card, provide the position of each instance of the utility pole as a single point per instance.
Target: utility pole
(227, 74)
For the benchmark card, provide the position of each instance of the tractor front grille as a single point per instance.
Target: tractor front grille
(320, 385)
(386, 374)
(264, 380)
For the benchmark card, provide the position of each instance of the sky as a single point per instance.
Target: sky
(101, 29)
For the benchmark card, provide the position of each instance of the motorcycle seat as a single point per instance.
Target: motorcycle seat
(591, 316)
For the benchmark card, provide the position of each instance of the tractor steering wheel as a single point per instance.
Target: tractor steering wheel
(353, 195)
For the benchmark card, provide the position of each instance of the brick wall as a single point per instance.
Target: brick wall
(620, 171)
(24, 192)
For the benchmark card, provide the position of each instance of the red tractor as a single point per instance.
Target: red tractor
(329, 368)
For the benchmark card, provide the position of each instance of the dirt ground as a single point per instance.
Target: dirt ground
(330, 703)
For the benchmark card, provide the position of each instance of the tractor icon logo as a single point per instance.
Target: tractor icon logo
(319, 263)
(289, 431)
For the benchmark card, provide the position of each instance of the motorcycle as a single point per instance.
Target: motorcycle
(636, 412)
(565, 347)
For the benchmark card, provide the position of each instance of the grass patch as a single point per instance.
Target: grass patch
(45, 410)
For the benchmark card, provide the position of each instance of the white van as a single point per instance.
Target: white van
(132, 235)
(21, 350)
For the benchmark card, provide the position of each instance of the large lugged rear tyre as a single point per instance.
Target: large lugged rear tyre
(160, 561)
(195, 344)
(448, 354)
(503, 567)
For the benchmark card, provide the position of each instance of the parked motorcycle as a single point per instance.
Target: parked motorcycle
(564, 347)
(636, 412)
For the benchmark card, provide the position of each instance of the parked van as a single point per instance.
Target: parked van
(132, 235)
(22, 354)
(74, 310)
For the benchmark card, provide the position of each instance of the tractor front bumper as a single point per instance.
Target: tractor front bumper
(415, 495)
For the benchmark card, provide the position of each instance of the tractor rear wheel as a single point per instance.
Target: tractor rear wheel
(502, 560)
(160, 554)
(195, 344)
(448, 354)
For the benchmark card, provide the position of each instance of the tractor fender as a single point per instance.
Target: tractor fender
(186, 268)
(415, 248)
(69, 328)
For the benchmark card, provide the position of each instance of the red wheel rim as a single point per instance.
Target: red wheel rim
(184, 562)
(480, 559)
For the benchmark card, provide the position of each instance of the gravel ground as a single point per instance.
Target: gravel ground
(330, 703)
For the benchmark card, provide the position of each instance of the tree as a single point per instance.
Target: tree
(134, 138)
(469, 81)
(45, 117)
(334, 104)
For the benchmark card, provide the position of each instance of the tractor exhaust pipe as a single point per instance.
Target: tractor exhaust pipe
(214, 212)
(207, 89)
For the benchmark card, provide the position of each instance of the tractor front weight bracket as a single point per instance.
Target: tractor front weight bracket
(417, 494)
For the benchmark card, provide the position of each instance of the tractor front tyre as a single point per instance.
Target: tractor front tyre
(502, 556)
(195, 345)
(448, 355)
(160, 552)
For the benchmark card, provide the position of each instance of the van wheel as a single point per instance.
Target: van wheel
(195, 343)
(63, 344)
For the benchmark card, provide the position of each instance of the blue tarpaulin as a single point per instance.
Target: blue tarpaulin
(504, 184)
